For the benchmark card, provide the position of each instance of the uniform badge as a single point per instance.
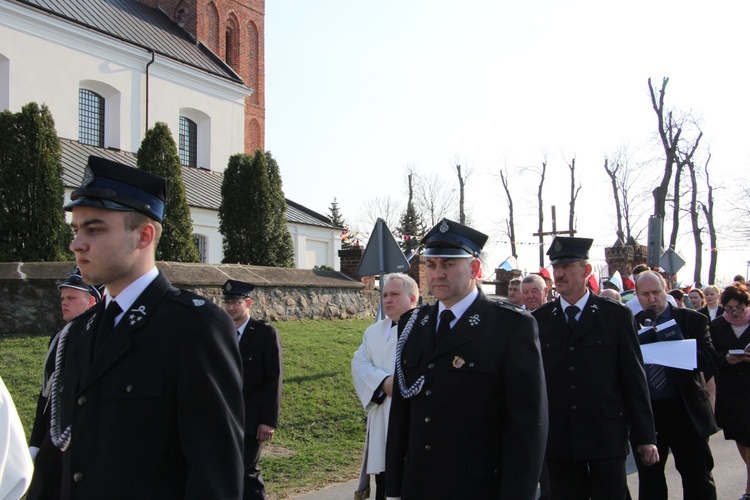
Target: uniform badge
(458, 362)
(89, 322)
(137, 315)
(425, 320)
(554, 311)
(474, 320)
(200, 302)
(558, 246)
(88, 177)
(594, 308)
(444, 227)
(228, 287)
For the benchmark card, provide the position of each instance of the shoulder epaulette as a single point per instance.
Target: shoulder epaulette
(508, 306)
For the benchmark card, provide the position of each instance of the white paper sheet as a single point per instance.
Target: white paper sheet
(675, 354)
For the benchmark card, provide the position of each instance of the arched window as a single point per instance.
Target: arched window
(233, 43)
(254, 61)
(212, 23)
(90, 118)
(202, 241)
(188, 146)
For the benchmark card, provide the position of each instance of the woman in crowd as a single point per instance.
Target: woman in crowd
(697, 299)
(730, 333)
(713, 310)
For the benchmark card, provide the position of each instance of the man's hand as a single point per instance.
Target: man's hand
(648, 453)
(265, 433)
(388, 386)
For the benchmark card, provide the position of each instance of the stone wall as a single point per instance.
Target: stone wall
(32, 302)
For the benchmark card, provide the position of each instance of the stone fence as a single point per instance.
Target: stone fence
(31, 301)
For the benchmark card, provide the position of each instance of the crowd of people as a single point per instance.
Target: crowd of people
(446, 413)
(151, 391)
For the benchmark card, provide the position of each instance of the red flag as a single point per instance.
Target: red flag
(545, 274)
(629, 283)
(593, 283)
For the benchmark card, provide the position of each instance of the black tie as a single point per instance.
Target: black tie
(445, 325)
(107, 324)
(571, 312)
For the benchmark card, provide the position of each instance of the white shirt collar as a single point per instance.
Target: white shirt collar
(241, 329)
(128, 296)
(461, 306)
(580, 304)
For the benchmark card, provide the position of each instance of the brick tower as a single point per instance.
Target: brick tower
(233, 30)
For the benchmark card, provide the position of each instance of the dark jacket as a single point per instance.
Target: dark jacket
(732, 381)
(262, 372)
(692, 383)
(596, 384)
(477, 428)
(158, 413)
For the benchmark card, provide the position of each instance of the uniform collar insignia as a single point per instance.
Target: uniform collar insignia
(554, 311)
(200, 302)
(458, 362)
(474, 320)
(425, 320)
(89, 322)
(594, 308)
(136, 315)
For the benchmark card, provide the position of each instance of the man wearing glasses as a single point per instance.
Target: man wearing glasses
(262, 369)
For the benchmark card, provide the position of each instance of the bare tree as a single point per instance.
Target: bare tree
(708, 213)
(684, 158)
(383, 207)
(510, 220)
(573, 194)
(669, 133)
(462, 179)
(542, 171)
(612, 172)
(694, 222)
(433, 198)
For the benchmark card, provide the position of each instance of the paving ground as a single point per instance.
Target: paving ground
(729, 473)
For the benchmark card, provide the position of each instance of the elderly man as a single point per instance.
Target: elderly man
(682, 409)
(534, 290)
(151, 392)
(76, 297)
(372, 372)
(514, 292)
(469, 413)
(262, 375)
(596, 385)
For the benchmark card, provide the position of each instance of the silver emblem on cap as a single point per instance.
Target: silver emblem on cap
(444, 227)
(228, 287)
(88, 177)
(558, 246)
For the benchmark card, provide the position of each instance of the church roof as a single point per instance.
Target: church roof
(140, 25)
(202, 187)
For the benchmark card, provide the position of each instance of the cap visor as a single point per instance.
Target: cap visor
(97, 203)
(447, 253)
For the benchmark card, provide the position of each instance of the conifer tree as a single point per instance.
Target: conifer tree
(32, 220)
(410, 226)
(281, 248)
(253, 213)
(338, 220)
(158, 155)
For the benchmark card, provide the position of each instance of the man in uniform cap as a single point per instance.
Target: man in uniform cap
(151, 388)
(596, 385)
(469, 412)
(262, 372)
(76, 297)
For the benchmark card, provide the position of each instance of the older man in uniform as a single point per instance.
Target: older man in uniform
(596, 385)
(469, 413)
(679, 398)
(262, 375)
(76, 297)
(151, 387)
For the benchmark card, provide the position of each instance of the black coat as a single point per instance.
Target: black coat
(477, 428)
(732, 381)
(692, 383)
(262, 372)
(158, 413)
(596, 385)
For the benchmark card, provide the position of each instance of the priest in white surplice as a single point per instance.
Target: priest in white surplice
(372, 371)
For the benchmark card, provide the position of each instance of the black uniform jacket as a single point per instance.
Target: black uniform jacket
(260, 350)
(158, 413)
(596, 384)
(692, 383)
(477, 428)
(732, 381)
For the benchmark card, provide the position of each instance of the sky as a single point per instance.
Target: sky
(359, 91)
